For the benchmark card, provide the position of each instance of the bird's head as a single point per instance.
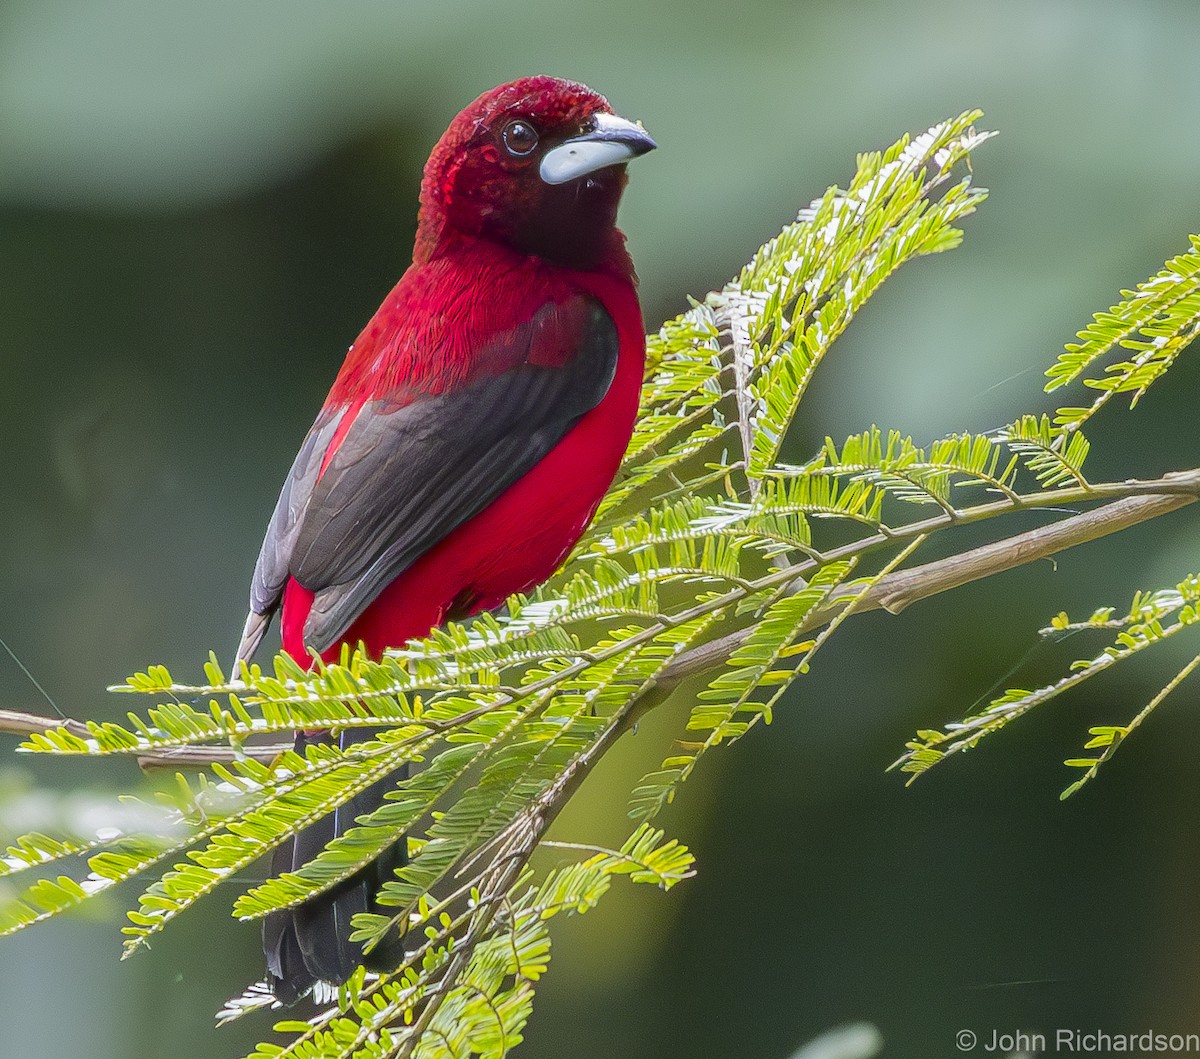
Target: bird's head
(537, 164)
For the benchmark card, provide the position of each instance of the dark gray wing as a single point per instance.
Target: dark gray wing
(272, 570)
(402, 478)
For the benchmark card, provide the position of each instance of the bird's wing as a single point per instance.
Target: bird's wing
(404, 476)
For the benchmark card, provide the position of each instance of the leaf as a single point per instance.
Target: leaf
(1139, 629)
(1156, 323)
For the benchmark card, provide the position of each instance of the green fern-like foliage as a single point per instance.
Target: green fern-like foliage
(1155, 323)
(714, 562)
(1150, 327)
(1152, 619)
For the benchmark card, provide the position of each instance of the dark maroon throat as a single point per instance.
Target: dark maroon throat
(574, 224)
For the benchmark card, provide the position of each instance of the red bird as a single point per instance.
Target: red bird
(468, 438)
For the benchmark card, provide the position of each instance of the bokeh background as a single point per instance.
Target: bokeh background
(201, 203)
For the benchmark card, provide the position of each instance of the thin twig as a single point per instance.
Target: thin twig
(17, 722)
(203, 756)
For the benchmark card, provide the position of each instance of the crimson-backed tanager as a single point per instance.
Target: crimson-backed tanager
(467, 440)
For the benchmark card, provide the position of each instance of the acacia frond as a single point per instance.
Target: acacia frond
(729, 706)
(195, 814)
(1110, 736)
(36, 850)
(331, 696)
(250, 832)
(897, 466)
(482, 1009)
(1141, 627)
(803, 287)
(360, 845)
(120, 860)
(540, 753)
(1051, 454)
(1154, 323)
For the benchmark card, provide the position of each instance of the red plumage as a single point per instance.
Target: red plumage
(475, 425)
(522, 537)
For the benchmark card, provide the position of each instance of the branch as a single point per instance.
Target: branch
(895, 591)
(202, 756)
(19, 723)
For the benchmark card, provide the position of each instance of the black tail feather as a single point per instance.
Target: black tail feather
(311, 942)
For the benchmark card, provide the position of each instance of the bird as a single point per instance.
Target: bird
(467, 440)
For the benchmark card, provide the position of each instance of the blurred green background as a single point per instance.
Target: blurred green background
(201, 203)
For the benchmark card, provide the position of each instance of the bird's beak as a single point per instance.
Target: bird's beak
(609, 141)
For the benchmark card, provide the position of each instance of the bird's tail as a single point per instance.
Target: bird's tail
(309, 946)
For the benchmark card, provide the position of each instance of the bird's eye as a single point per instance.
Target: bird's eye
(520, 138)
